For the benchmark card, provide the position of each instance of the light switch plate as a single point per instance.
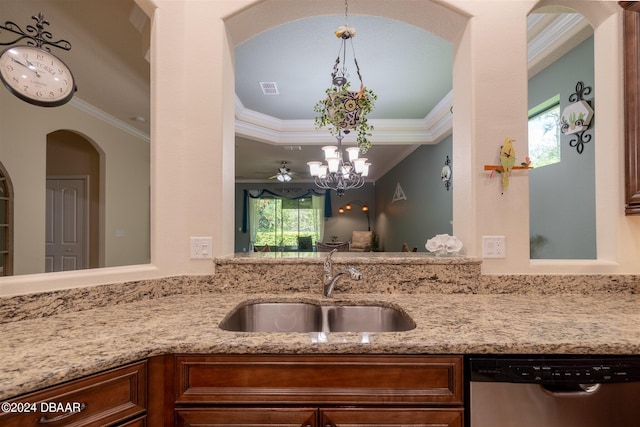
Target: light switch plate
(201, 247)
(493, 247)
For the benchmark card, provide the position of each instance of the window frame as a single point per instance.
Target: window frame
(279, 221)
(537, 111)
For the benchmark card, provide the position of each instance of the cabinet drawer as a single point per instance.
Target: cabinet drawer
(97, 400)
(319, 379)
(254, 417)
(389, 417)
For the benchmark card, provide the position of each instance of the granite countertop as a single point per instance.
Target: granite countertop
(39, 352)
(378, 258)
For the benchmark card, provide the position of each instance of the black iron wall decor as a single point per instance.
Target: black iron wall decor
(445, 174)
(35, 35)
(576, 118)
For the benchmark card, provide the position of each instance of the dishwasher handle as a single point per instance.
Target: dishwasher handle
(566, 390)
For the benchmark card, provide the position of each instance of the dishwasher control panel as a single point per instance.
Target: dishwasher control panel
(542, 370)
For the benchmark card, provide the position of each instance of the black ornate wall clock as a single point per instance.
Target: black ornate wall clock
(36, 76)
(32, 72)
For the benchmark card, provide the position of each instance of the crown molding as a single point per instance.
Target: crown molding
(108, 118)
(430, 130)
(550, 41)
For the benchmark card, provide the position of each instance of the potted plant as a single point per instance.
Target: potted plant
(344, 110)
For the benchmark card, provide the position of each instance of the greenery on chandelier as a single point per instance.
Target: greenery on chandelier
(343, 110)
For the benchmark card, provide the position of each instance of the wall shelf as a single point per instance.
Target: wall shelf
(500, 168)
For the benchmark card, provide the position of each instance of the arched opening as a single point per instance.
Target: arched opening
(400, 129)
(73, 203)
(562, 150)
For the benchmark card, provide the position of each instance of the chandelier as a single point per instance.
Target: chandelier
(343, 110)
(340, 174)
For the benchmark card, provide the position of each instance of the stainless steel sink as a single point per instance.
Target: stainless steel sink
(309, 317)
(367, 318)
(274, 317)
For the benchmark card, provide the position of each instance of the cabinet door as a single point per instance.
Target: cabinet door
(254, 417)
(406, 417)
(108, 398)
(319, 380)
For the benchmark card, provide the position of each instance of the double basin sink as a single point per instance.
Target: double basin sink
(312, 317)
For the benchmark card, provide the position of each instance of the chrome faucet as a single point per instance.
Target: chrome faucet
(330, 279)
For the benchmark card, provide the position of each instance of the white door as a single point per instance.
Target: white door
(67, 221)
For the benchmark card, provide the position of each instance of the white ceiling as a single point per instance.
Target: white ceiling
(408, 67)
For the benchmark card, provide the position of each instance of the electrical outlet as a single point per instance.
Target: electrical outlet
(493, 247)
(201, 247)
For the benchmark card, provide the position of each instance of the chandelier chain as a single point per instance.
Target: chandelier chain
(346, 13)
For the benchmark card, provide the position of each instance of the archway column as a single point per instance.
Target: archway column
(193, 154)
(490, 103)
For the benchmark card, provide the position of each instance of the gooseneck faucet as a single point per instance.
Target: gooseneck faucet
(330, 279)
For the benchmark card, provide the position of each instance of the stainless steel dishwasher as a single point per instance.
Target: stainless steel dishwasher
(554, 392)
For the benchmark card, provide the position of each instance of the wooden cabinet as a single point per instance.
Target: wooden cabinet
(257, 390)
(632, 105)
(323, 390)
(114, 397)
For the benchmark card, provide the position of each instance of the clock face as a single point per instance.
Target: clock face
(36, 76)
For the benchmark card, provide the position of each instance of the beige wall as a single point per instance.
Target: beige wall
(193, 129)
(125, 184)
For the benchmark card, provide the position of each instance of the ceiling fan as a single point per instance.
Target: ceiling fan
(284, 173)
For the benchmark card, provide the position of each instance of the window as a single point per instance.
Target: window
(6, 224)
(278, 222)
(544, 133)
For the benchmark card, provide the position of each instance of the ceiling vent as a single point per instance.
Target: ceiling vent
(269, 88)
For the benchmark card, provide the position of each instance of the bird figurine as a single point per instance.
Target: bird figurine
(507, 159)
